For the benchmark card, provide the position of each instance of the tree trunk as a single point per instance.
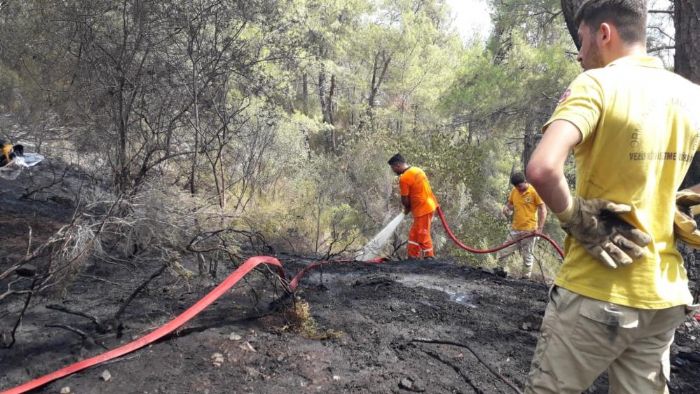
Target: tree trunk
(686, 18)
(322, 94)
(122, 170)
(569, 7)
(326, 97)
(305, 93)
(222, 179)
(381, 63)
(529, 144)
(329, 100)
(687, 21)
(195, 103)
(329, 112)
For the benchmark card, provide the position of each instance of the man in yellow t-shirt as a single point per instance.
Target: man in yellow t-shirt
(529, 214)
(622, 289)
(416, 197)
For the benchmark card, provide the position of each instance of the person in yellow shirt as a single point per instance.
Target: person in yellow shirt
(529, 214)
(417, 198)
(622, 290)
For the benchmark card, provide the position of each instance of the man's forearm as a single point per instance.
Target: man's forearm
(406, 202)
(552, 187)
(545, 170)
(541, 216)
(507, 209)
(555, 192)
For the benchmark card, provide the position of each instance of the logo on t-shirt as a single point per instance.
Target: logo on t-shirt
(564, 96)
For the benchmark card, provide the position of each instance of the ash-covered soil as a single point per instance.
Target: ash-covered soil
(370, 328)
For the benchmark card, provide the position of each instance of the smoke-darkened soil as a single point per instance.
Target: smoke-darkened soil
(370, 328)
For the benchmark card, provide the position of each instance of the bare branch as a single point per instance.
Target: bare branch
(661, 48)
(136, 292)
(493, 371)
(85, 337)
(55, 181)
(11, 291)
(102, 280)
(93, 319)
(30, 293)
(29, 241)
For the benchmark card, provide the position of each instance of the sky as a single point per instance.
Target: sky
(470, 17)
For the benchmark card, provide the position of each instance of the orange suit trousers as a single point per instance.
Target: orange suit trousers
(420, 244)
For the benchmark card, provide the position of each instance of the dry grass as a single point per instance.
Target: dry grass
(299, 316)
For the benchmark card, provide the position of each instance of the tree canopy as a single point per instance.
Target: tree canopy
(279, 116)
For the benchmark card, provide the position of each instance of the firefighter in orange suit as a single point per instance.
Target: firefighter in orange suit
(417, 197)
(8, 152)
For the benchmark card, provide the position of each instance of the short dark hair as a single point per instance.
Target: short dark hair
(628, 16)
(517, 178)
(396, 159)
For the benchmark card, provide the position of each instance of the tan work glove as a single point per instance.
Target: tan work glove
(595, 224)
(684, 225)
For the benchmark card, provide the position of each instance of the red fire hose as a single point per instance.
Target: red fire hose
(158, 333)
(294, 283)
(441, 214)
(217, 292)
(177, 322)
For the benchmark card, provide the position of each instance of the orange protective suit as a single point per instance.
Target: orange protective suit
(414, 184)
(420, 244)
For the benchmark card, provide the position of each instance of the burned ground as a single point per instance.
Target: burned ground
(369, 328)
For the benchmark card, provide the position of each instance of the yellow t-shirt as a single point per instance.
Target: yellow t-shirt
(524, 208)
(640, 128)
(414, 183)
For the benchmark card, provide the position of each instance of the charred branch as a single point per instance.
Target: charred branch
(493, 371)
(135, 293)
(101, 327)
(456, 368)
(55, 181)
(30, 293)
(84, 336)
(11, 291)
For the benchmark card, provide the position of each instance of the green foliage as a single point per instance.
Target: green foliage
(283, 113)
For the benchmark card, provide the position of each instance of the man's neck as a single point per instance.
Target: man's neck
(627, 50)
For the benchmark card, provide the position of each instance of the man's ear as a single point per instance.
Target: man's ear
(604, 33)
